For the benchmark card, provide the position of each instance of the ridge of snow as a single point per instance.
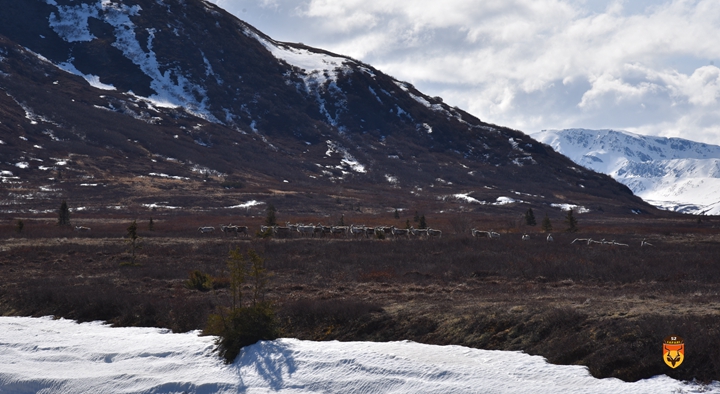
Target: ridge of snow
(93, 80)
(670, 173)
(61, 356)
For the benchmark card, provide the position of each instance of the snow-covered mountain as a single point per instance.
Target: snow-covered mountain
(133, 91)
(670, 173)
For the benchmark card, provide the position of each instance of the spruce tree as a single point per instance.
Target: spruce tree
(270, 220)
(422, 224)
(64, 214)
(397, 214)
(151, 225)
(546, 225)
(244, 323)
(571, 222)
(133, 240)
(19, 226)
(530, 218)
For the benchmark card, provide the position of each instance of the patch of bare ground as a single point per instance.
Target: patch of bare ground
(601, 305)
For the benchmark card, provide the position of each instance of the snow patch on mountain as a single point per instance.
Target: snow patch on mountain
(93, 80)
(573, 207)
(347, 158)
(71, 22)
(172, 87)
(670, 173)
(319, 72)
(247, 204)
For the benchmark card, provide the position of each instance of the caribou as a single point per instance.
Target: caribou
(231, 229)
(206, 229)
(342, 230)
(399, 231)
(379, 232)
(226, 229)
(304, 230)
(293, 227)
(434, 232)
(243, 230)
(82, 229)
(484, 234)
(369, 232)
(550, 238)
(324, 230)
(525, 237)
(281, 231)
(355, 230)
(418, 232)
(477, 233)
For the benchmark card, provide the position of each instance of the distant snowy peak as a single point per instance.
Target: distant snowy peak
(601, 149)
(671, 173)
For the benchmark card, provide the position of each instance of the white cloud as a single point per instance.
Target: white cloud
(640, 65)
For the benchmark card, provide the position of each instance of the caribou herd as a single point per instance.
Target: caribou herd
(353, 231)
(319, 230)
(549, 238)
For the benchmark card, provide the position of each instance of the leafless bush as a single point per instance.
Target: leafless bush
(461, 224)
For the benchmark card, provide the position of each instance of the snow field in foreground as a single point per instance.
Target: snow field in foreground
(42, 355)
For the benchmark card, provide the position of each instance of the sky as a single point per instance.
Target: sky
(649, 67)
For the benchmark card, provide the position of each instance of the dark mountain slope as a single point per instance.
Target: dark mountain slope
(176, 100)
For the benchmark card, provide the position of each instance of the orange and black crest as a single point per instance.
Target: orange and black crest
(673, 351)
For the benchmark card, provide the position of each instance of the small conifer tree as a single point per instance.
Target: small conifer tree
(151, 225)
(422, 224)
(407, 223)
(238, 272)
(397, 214)
(242, 325)
(342, 220)
(64, 214)
(259, 276)
(530, 218)
(271, 220)
(416, 218)
(546, 225)
(571, 222)
(19, 226)
(133, 240)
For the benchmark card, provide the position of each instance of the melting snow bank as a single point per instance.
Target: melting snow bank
(60, 356)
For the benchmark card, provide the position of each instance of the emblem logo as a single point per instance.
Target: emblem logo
(673, 351)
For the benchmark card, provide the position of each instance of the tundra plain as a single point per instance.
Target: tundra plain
(604, 306)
